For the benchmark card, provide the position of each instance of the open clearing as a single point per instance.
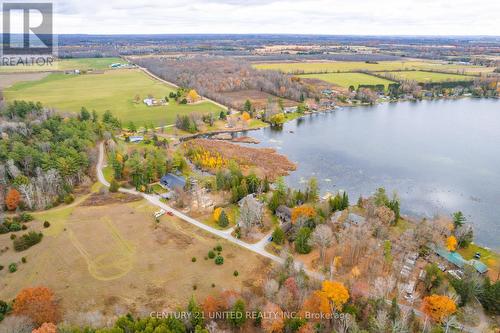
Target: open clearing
(112, 90)
(422, 76)
(66, 64)
(258, 98)
(7, 80)
(348, 79)
(111, 256)
(348, 66)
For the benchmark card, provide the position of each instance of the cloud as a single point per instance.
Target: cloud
(388, 17)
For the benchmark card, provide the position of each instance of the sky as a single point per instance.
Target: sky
(329, 17)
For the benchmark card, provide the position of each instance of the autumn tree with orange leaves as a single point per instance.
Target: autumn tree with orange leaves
(451, 243)
(305, 211)
(333, 295)
(38, 304)
(273, 320)
(12, 199)
(46, 328)
(438, 307)
(210, 306)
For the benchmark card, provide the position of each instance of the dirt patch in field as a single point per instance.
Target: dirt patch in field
(108, 259)
(107, 198)
(266, 162)
(7, 80)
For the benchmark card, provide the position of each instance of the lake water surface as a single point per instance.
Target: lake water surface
(440, 156)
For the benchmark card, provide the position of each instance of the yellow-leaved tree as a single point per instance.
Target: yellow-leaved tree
(451, 243)
(438, 307)
(193, 96)
(246, 116)
(333, 296)
(217, 213)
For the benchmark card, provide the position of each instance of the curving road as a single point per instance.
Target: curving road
(258, 247)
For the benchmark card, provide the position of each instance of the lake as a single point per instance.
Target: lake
(440, 156)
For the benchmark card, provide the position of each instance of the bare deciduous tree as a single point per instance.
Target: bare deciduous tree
(322, 237)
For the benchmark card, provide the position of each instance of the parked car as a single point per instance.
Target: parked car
(159, 213)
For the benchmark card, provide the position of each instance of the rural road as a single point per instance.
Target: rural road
(156, 77)
(258, 247)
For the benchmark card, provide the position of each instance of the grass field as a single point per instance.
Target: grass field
(421, 76)
(348, 79)
(113, 90)
(347, 66)
(114, 255)
(66, 64)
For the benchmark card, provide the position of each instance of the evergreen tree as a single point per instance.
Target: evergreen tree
(237, 317)
(196, 313)
(302, 240)
(223, 220)
(278, 236)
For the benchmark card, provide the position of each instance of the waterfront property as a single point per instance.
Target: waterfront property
(171, 181)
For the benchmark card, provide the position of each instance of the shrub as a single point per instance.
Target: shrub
(4, 307)
(69, 199)
(235, 273)
(23, 260)
(15, 227)
(12, 267)
(13, 236)
(27, 240)
(1, 267)
(24, 227)
(195, 287)
(219, 260)
(193, 259)
(211, 254)
(24, 217)
(213, 285)
(3, 229)
(218, 248)
(46, 224)
(114, 186)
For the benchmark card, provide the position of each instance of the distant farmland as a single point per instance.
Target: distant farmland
(113, 90)
(349, 66)
(348, 79)
(422, 76)
(66, 64)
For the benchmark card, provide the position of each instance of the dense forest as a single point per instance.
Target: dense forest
(43, 156)
(213, 76)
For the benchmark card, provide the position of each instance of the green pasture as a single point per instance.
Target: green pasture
(112, 90)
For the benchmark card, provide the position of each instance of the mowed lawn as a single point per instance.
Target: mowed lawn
(113, 90)
(347, 66)
(422, 76)
(348, 79)
(67, 64)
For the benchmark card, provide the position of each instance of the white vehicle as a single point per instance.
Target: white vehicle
(159, 213)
